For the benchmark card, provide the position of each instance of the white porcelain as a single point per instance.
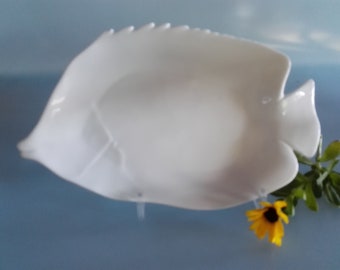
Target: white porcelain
(176, 116)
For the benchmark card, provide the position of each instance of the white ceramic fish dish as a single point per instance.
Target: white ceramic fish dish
(176, 116)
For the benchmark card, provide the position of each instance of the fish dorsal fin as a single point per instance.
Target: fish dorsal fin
(261, 70)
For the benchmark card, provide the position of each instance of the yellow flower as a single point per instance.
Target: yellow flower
(268, 220)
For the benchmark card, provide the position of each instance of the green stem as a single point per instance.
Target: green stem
(318, 155)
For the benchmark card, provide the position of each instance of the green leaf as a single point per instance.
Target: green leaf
(299, 192)
(302, 179)
(331, 194)
(332, 152)
(317, 189)
(335, 177)
(286, 190)
(290, 208)
(335, 180)
(313, 176)
(310, 198)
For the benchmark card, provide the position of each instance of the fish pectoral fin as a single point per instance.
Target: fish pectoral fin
(299, 123)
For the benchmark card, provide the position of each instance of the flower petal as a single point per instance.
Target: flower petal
(254, 214)
(283, 216)
(277, 241)
(276, 233)
(280, 204)
(260, 229)
(265, 204)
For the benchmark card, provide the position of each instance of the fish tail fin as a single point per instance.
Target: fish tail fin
(300, 126)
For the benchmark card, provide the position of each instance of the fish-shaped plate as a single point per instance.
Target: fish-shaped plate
(176, 116)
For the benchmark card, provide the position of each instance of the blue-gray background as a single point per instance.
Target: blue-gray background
(47, 223)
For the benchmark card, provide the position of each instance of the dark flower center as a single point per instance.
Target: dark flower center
(271, 215)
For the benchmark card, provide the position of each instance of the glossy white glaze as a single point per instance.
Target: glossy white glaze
(176, 116)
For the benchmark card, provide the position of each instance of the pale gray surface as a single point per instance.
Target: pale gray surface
(47, 223)
(43, 36)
